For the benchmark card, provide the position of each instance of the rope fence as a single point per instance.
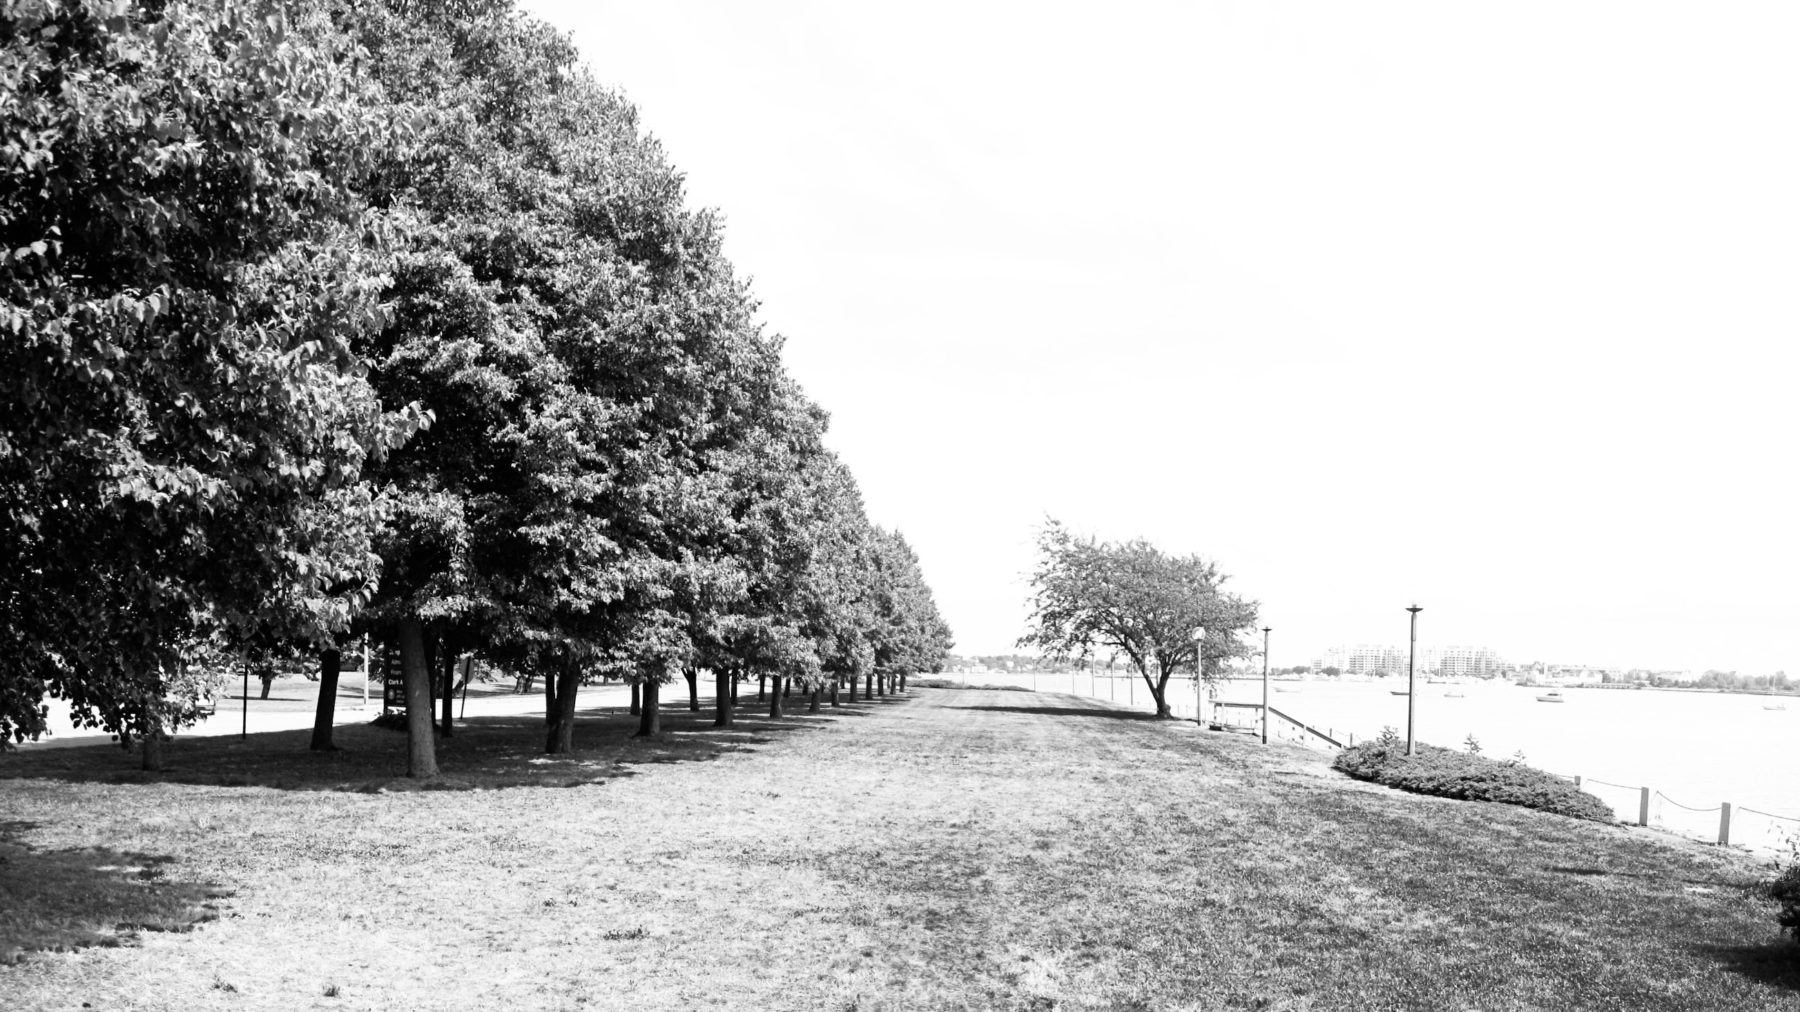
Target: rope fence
(1653, 808)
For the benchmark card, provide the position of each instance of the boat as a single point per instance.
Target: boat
(1777, 706)
(1400, 692)
(1552, 696)
(1453, 695)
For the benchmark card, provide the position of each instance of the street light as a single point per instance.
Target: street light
(1265, 708)
(1200, 676)
(1412, 647)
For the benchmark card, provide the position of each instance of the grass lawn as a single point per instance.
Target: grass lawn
(952, 849)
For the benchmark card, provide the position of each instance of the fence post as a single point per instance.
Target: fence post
(1643, 806)
(1724, 823)
(1578, 781)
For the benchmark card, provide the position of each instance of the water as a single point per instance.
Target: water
(1691, 748)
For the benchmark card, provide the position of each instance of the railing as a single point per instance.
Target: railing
(1650, 815)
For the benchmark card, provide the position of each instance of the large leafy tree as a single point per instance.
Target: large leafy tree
(587, 348)
(1133, 599)
(187, 266)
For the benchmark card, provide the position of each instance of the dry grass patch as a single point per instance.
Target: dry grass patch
(954, 849)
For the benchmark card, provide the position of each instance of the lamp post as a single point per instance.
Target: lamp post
(1265, 706)
(1412, 647)
(1200, 676)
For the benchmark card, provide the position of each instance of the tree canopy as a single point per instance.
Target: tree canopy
(385, 317)
(1132, 598)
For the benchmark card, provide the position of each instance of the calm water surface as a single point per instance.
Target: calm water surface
(1691, 748)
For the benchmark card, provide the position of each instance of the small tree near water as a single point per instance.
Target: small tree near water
(1132, 599)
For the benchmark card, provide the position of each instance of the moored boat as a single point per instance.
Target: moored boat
(1553, 696)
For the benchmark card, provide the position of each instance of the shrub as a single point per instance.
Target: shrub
(1785, 890)
(1469, 776)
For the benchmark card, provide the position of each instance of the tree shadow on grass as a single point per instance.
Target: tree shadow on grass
(63, 900)
(483, 753)
(1066, 711)
(1776, 964)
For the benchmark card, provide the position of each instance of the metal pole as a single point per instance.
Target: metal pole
(365, 673)
(1200, 675)
(1411, 648)
(245, 732)
(1265, 707)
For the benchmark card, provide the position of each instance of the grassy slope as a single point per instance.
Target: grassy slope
(958, 849)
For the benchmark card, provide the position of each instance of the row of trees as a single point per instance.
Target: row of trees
(329, 317)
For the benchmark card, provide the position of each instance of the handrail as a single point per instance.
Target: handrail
(1304, 727)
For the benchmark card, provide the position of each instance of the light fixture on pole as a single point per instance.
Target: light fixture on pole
(1265, 706)
(1200, 675)
(1412, 647)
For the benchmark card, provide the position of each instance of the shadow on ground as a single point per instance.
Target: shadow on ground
(62, 900)
(1776, 964)
(482, 752)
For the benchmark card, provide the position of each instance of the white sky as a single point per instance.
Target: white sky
(1491, 306)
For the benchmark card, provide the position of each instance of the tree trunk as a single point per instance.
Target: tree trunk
(267, 677)
(775, 699)
(637, 699)
(330, 661)
(734, 688)
(812, 703)
(447, 658)
(762, 685)
(559, 737)
(853, 688)
(650, 721)
(152, 757)
(902, 681)
(1160, 693)
(722, 705)
(693, 679)
(421, 750)
(834, 692)
(787, 687)
(1156, 695)
(880, 684)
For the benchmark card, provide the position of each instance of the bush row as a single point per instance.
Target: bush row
(1451, 774)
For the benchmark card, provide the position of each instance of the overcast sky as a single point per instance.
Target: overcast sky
(1488, 306)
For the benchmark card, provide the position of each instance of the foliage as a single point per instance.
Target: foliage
(187, 263)
(236, 235)
(1467, 775)
(1133, 599)
(1785, 888)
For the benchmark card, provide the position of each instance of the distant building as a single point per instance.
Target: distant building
(1448, 662)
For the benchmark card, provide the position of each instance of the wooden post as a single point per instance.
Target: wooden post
(1578, 781)
(1724, 823)
(1643, 806)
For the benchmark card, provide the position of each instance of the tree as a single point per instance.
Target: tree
(187, 266)
(1131, 598)
(912, 636)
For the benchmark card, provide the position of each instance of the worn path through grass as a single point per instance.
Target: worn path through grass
(950, 849)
